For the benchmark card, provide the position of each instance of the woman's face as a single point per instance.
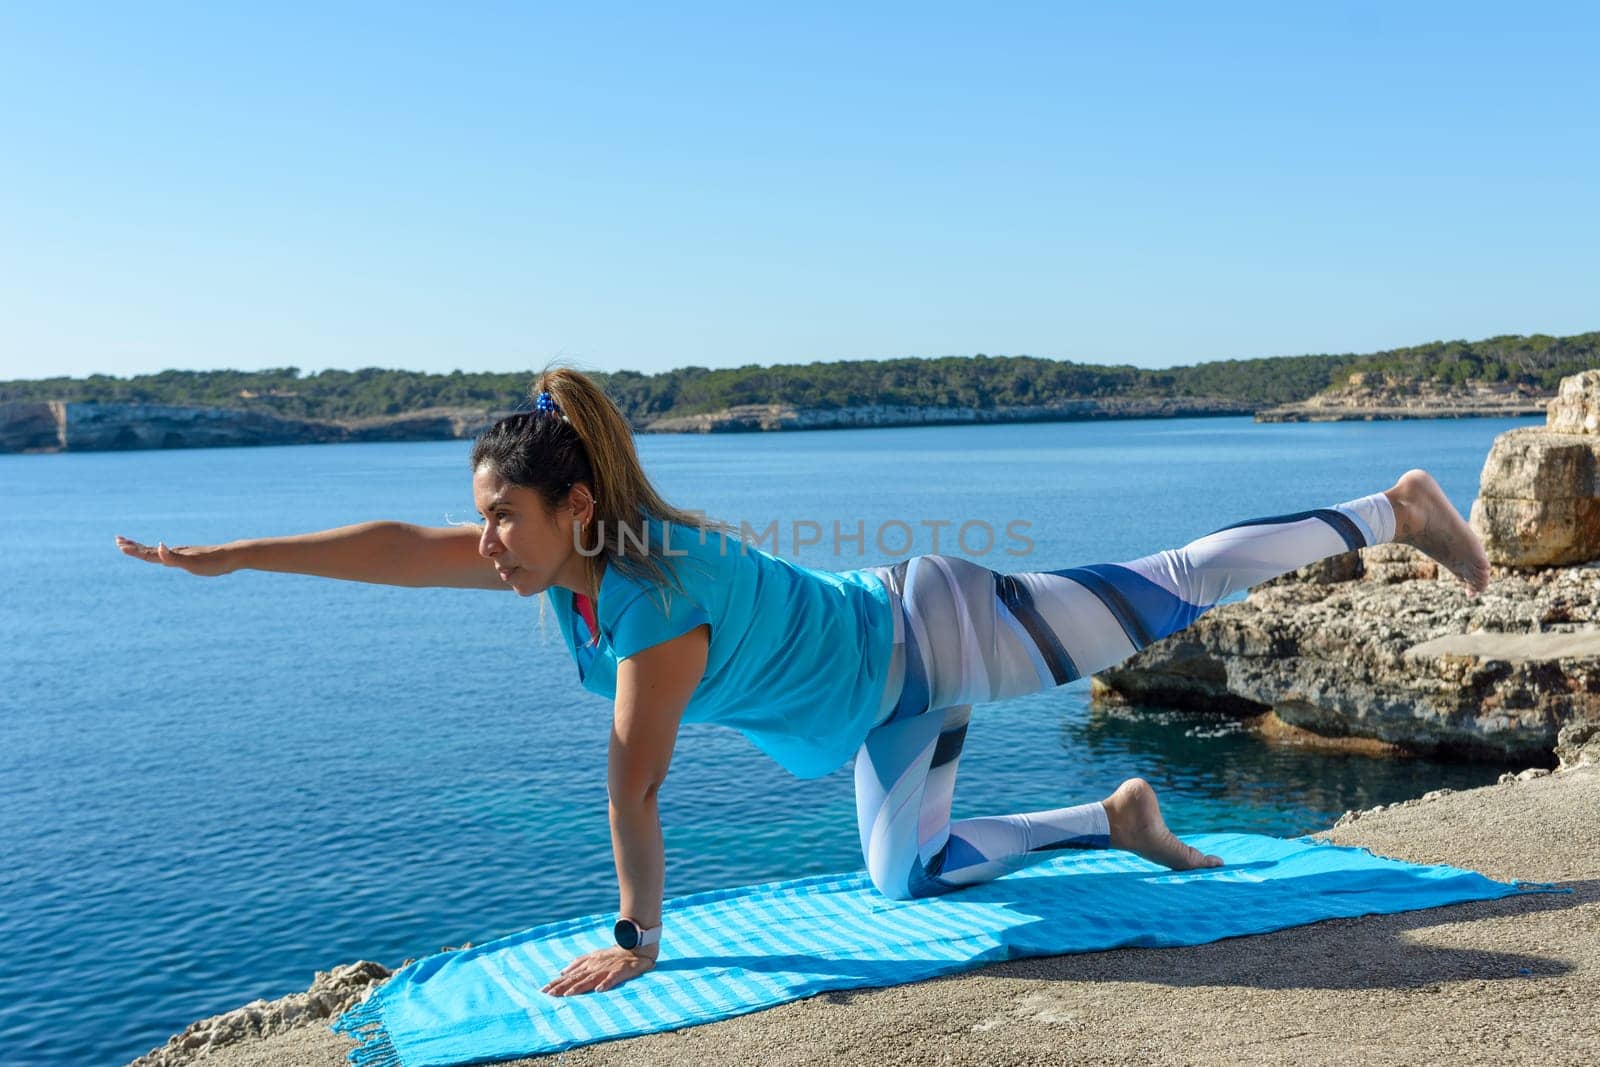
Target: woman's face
(530, 545)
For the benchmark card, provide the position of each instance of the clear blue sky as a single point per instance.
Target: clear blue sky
(489, 186)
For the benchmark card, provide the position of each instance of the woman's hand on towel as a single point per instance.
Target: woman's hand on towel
(599, 971)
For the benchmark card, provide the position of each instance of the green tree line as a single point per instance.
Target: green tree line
(979, 381)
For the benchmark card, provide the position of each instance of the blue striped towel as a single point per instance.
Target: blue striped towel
(735, 951)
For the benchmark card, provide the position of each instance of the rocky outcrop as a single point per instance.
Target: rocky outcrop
(32, 427)
(1374, 397)
(122, 427)
(746, 418)
(1576, 407)
(55, 427)
(1379, 645)
(1539, 497)
(430, 424)
(1578, 745)
(330, 994)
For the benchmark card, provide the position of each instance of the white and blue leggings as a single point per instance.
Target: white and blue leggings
(967, 635)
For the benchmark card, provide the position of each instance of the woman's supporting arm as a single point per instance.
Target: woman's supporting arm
(653, 689)
(384, 553)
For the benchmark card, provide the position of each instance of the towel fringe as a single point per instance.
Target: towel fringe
(375, 1048)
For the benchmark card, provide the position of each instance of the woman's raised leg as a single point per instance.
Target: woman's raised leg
(973, 635)
(1074, 622)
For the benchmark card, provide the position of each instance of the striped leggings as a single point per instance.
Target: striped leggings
(966, 634)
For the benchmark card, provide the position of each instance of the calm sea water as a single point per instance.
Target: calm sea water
(212, 788)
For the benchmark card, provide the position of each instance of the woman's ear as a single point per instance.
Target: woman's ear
(581, 502)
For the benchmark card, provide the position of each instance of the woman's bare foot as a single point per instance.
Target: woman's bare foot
(1425, 519)
(1137, 826)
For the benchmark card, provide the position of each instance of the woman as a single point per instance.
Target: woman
(675, 619)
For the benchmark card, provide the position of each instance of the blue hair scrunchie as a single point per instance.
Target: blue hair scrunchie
(546, 403)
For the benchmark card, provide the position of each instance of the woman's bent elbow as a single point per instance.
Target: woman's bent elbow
(633, 795)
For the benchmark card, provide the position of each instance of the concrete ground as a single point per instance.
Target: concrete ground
(1509, 981)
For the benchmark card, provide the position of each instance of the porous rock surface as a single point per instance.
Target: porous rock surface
(1379, 645)
(1539, 498)
(330, 994)
(1578, 745)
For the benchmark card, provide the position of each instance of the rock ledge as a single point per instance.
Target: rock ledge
(330, 994)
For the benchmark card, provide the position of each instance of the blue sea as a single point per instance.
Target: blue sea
(213, 788)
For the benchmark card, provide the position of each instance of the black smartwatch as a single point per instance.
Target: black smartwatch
(630, 935)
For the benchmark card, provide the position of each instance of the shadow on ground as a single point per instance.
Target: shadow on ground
(1367, 952)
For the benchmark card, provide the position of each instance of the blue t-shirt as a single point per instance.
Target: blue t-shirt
(798, 658)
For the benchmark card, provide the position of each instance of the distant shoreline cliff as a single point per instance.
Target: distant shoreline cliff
(766, 418)
(54, 426)
(57, 426)
(1498, 376)
(1373, 397)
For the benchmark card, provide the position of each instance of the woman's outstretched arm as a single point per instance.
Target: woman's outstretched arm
(384, 553)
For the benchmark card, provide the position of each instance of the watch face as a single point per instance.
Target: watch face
(626, 932)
